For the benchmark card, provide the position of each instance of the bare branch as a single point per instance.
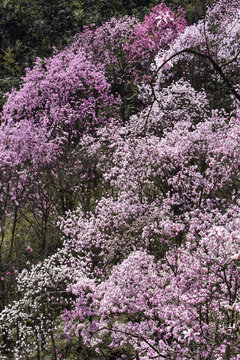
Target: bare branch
(232, 60)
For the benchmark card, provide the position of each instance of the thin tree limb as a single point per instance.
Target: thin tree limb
(204, 56)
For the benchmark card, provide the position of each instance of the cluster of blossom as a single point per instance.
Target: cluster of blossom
(124, 45)
(184, 306)
(127, 48)
(44, 298)
(142, 215)
(210, 47)
(163, 25)
(149, 267)
(65, 95)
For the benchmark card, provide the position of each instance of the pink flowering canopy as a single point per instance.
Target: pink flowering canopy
(66, 95)
(125, 169)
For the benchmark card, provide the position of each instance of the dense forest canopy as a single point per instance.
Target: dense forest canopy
(119, 187)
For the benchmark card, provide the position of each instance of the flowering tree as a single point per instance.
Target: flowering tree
(212, 45)
(185, 306)
(127, 48)
(148, 203)
(39, 134)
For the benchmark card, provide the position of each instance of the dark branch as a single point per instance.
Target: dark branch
(204, 56)
(232, 60)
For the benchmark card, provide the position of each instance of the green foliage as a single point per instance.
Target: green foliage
(29, 29)
(99, 11)
(194, 9)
